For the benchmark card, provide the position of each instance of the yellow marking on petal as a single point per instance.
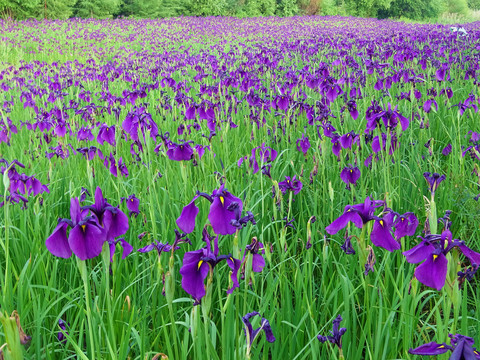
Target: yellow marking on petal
(131, 200)
(435, 257)
(222, 200)
(83, 227)
(403, 219)
(381, 222)
(231, 258)
(351, 171)
(441, 346)
(200, 264)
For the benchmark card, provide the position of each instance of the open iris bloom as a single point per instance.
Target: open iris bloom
(88, 232)
(225, 213)
(432, 250)
(381, 234)
(199, 263)
(292, 184)
(462, 348)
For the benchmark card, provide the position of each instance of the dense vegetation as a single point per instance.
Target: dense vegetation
(62, 9)
(164, 180)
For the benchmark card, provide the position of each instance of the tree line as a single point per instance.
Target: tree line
(63, 9)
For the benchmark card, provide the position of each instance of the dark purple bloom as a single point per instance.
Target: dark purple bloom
(180, 152)
(350, 175)
(303, 144)
(347, 245)
(405, 225)
(337, 333)
(224, 215)
(63, 330)
(292, 184)
(256, 248)
(251, 333)
(85, 239)
(107, 134)
(127, 248)
(359, 214)
(462, 348)
(197, 265)
(447, 150)
(132, 204)
(432, 251)
(433, 180)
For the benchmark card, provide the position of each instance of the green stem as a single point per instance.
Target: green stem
(83, 272)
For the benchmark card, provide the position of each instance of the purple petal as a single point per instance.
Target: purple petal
(433, 271)
(186, 220)
(57, 243)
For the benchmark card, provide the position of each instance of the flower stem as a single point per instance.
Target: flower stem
(83, 272)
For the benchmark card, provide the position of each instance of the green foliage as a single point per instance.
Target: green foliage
(457, 6)
(18, 9)
(55, 9)
(288, 8)
(413, 9)
(96, 8)
(474, 4)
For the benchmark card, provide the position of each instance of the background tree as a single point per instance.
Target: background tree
(96, 8)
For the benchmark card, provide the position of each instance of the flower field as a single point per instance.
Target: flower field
(223, 188)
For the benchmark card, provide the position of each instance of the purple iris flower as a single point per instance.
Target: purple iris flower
(251, 334)
(352, 109)
(265, 155)
(347, 139)
(292, 184)
(447, 150)
(63, 330)
(405, 225)
(462, 348)
(303, 144)
(224, 215)
(85, 238)
(127, 248)
(180, 152)
(197, 265)
(433, 180)
(107, 134)
(256, 248)
(360, 215)
(132, 204)
(337, 333)
(112, 219)
(350, 175)
(432, 251)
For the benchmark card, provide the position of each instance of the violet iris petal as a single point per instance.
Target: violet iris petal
(186, 220)
(220, 217)
(432, 348)
(381, 236)
(86, 241)
(194, 272)
(433, 271)
(57, 243)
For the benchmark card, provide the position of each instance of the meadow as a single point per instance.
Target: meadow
(223, 188)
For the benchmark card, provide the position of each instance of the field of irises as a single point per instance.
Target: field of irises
(221, 188)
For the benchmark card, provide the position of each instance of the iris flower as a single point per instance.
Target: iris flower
(432, 250)
(225, 213)
(462, 348)
(198, 264)
(337, 333)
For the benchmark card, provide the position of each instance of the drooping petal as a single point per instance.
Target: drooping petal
(57, 242)
(86, 241)
(194, 272)
(473, 256)
(433, 271)
(381, 236)
(432, 348)
(419, 252)
(343, 220)
(186, 220)
(234, 265)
